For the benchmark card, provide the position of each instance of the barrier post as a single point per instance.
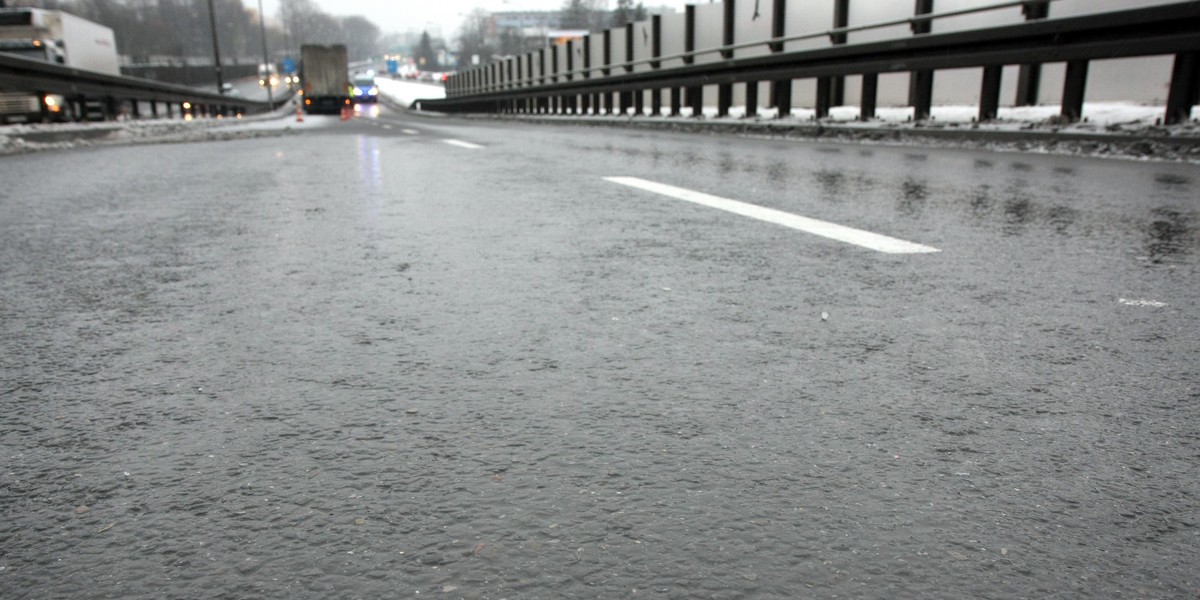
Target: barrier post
(606, 71)
(627, 101)
(831, 89)
(841, 19)
(1185, 88)
(781, 89)
(541, 66)
(1073, 90)
(569, 100)
(556, 103)
(655, 52)
(823, 96)
(920, 83)
(870, 93)
(586, 99)
(725, 90)
(989, 92)
(1030, 76)
(695, 95)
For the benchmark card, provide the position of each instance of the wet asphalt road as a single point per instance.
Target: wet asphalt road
(362, 362)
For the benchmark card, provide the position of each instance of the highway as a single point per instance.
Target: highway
(400, 356)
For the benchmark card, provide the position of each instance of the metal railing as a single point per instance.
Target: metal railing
(111, 92)
(1172, 29)
(833, 33)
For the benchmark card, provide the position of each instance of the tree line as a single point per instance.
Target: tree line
(156, 30)
(479, 36)
(181, 30)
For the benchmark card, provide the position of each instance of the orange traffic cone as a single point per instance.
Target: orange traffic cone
(299, 115)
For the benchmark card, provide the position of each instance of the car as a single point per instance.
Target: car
(365, 90)
(267, 74)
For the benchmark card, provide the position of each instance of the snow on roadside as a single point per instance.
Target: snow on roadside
(34, 137)
(405, 93)
(1103, 114)
(1095, 114)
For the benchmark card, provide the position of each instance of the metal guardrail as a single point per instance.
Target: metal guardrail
(19, 74)
(1172, 29)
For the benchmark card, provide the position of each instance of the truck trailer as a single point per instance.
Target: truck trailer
(57, 37)
(324, 79)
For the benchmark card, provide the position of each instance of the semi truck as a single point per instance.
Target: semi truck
(57, 37)
(324, 79)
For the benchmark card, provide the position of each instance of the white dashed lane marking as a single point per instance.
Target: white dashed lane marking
(462, 144)
(1142, 302)
(833, 231)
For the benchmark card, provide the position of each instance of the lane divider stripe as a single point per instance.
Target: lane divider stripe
(462, 144)
(833, 231)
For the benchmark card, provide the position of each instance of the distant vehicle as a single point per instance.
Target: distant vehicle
(325, 82)
(268, 74)
(364, 88)
(57, 37)
(229, 90)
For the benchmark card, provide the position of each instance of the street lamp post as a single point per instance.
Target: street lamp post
(263, 30)
(212, 18)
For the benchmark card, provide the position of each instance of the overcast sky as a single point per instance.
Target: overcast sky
(400, 16)
(403, 15)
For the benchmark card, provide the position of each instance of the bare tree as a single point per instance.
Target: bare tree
(581, 14)
(181, 28)
(362, 37)
(627, 12)
(477, 35)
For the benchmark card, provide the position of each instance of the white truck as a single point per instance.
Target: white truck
(57, 37)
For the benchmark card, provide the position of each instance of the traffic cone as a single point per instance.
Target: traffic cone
(299, 115)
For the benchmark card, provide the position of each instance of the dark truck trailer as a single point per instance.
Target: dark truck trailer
(324, 79)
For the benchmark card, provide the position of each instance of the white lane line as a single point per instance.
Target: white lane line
(1141, 302)
(833, 231)
(462, 144)
(409, 131)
